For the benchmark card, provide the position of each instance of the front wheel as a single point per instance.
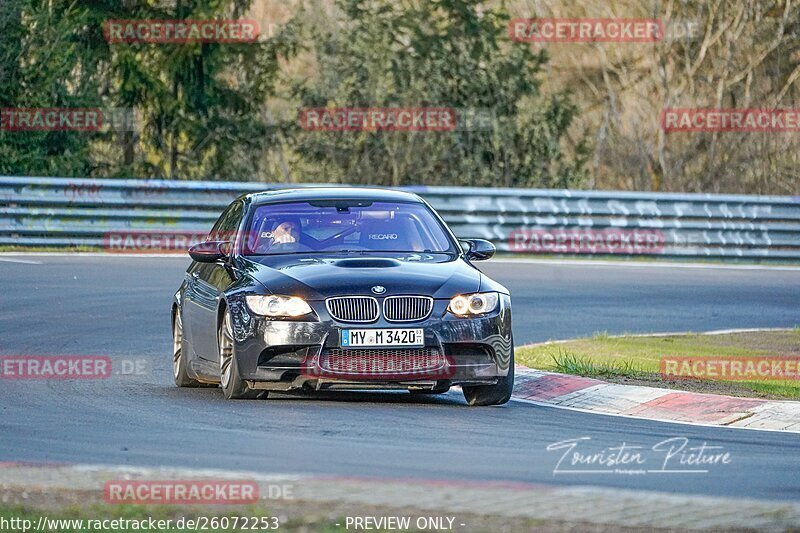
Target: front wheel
(233, 387)
(497, 394)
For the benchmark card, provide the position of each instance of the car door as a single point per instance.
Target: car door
(207, 282)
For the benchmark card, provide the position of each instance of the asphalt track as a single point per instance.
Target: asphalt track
(118, 306)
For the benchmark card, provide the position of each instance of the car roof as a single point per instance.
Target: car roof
(302, 194)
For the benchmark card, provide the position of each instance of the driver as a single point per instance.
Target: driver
(285, 235)
(287, 232)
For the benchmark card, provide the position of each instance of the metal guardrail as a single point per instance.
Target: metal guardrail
(68, 212)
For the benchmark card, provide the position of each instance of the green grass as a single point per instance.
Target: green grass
(603, 356)
(569, 363)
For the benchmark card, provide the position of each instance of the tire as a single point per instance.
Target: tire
(498, 394)
(233, 387)
(179, 362)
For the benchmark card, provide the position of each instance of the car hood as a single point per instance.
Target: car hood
(315, 278)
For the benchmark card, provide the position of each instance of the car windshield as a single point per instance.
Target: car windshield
(330, 226)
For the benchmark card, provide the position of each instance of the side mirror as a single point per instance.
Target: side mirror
(210, 251)
(479, 249)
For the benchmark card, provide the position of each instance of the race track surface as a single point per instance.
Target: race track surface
(119, 306)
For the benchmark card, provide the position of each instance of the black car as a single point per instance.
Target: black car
(341, 288)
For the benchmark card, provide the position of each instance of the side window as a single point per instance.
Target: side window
(227, 224)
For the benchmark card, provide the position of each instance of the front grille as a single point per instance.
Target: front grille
(353, 308)
(405, 362)
(407, 308)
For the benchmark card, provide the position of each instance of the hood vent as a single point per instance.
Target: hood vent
(367, 262)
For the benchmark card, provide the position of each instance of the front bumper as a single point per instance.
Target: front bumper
(284, 355)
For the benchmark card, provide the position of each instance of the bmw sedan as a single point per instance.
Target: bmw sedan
(341, 288)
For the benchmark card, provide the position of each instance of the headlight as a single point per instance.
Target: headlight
(474, 304)
(276, 305)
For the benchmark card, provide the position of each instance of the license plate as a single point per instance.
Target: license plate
(352, 338)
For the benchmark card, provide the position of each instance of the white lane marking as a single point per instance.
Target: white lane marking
(21, 261)
(620, 415)
(751, 330)
(642, 264)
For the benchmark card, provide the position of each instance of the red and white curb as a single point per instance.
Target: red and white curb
(592, 395)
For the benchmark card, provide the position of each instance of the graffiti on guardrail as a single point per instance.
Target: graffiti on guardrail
(77, 190)
(164, 189)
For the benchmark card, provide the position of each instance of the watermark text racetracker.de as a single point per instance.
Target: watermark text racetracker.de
(586, 241)
(378, 119)
(585, 30)
(675, 455)
(71, 119)
(69, 367)
(192, 492)
(50, 119)
(134, 242)
(676, 120)
(396, 119)
(172, 241)
(731, 368)
(360, 364)
(180, 31)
